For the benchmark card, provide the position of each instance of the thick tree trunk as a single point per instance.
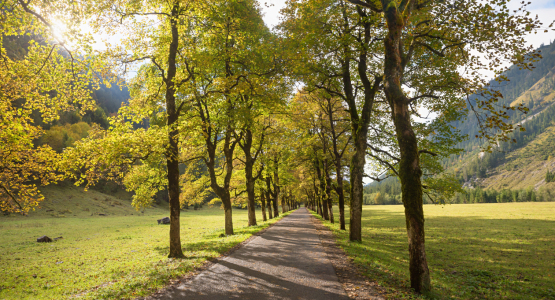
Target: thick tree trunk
(270, 213)
(276, 210)
(251, 212)
(173, 192)
(228, 218)
(411, 187)
(263, 204)
(409, 165)
(172, 152)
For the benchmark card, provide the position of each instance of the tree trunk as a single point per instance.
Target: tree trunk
(409, 165)
(173, 192)
(328, 190)
(276, 186)
(283, 204)
(276, 210)
(337, 162)
(263, 204)
(341, 196)
(411, 187)
(323, 196)
(270, 213)
(221, 191)
(359, 123)
(172, 152)
(228, 219)
(319, 204)
(357, 188)
(249, 177)
(250, 192)
(268, 196)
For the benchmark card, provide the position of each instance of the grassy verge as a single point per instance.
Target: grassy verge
(112, 257)
(475, 251)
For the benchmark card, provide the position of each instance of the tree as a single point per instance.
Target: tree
(423, 39)
(146, 159)
(39, 79)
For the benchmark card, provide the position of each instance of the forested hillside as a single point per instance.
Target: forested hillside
(513, 171)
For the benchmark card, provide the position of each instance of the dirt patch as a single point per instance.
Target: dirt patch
(355, 284)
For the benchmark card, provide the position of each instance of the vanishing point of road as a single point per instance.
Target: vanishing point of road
(287, 261)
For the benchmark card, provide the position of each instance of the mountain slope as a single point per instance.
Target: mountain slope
(524, 163)
(518, 166)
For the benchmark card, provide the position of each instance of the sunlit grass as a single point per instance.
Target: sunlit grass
(111, 257)
(475, 251)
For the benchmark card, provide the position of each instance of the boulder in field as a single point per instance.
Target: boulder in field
(44, 239)
(165, 220)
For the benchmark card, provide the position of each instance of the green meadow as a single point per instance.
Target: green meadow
(474, 251)
(107, 257)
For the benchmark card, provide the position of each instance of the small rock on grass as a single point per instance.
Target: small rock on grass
(165, 220)
(44, 239)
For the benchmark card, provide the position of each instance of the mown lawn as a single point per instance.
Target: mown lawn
(475, 251)
(109, 257)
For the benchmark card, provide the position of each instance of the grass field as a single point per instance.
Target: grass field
(110, 257)
(475, 251)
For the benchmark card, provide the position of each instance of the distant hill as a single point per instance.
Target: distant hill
(522, 166)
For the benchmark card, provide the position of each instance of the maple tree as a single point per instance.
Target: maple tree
(425, 45)
(124, 153)
(40, 82)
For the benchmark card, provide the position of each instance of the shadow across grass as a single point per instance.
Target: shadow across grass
(109, 257)
(497, 254)
(197, 253)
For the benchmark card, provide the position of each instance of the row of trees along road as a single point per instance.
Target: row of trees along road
(216, 88)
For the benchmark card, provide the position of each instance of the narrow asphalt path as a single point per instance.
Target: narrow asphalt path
(287, 261)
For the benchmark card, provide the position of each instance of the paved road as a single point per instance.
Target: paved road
(287, 261)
